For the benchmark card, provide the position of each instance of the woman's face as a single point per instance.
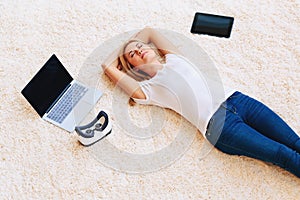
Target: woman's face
(138, 53)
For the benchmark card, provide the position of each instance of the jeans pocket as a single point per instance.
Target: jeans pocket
(229, 107)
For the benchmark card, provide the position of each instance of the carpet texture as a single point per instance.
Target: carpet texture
(41, 161)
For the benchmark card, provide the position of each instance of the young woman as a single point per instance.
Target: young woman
(151, 71)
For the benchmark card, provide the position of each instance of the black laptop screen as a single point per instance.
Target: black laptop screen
(47, 85)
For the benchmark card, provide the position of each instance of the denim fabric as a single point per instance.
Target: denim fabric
(245, 126)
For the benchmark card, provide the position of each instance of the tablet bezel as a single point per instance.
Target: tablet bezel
(197, 31)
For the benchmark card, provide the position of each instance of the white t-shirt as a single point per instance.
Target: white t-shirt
(180, 86)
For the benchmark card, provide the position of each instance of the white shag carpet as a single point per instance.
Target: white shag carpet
(41, 161)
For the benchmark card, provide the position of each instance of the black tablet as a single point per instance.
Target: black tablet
(214, 25)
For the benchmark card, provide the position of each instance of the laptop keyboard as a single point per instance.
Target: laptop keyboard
(68, 101)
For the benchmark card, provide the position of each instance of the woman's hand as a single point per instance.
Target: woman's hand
(150, 35)
(105, 67)
(128, 84)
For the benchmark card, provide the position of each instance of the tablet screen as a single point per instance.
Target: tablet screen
(214, 25)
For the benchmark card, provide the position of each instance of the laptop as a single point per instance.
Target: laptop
(57, 97)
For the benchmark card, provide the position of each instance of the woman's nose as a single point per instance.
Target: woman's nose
(139, 51)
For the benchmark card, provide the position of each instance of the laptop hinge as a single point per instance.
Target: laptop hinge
(62, 93)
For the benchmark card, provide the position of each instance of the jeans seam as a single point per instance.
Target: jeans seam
(255, 116)
(226, 145)
(234, 97)
(232, 108)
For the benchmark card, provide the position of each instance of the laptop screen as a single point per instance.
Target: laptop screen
(47, 85)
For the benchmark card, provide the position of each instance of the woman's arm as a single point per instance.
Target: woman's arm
(112, 69)
(150, 35)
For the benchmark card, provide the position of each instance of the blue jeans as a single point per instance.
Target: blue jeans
(245, 126)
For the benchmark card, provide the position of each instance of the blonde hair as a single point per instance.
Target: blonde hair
(128, 68)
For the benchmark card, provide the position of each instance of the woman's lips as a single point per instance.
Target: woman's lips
(143, 54)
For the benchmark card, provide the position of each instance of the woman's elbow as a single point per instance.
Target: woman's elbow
(103, 65)
(138, 94)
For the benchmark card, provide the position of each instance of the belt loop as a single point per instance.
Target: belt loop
(234, 110)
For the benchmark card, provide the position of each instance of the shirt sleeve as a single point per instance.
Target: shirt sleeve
(146, 88)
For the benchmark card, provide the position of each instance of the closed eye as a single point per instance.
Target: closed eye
(131, 53)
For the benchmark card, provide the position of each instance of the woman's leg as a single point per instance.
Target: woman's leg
(265, 121)
(243, 140)
(229, 133)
